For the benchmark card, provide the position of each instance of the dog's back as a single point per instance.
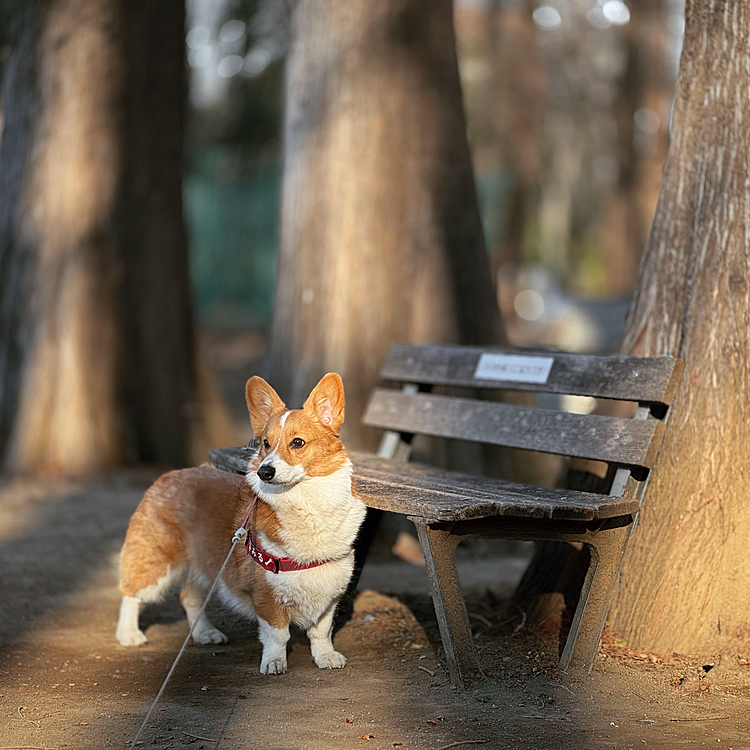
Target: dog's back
(182, 512)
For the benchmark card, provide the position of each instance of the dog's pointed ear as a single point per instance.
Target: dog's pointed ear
(326, 401)
(262, 401)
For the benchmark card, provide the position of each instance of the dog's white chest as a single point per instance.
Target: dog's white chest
(319, 519)
(307, 594)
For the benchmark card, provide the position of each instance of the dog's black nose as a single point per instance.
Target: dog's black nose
(266, 472)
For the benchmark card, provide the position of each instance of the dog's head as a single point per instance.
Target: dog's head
(295, 444)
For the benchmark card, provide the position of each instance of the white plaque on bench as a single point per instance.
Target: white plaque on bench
(513, 368)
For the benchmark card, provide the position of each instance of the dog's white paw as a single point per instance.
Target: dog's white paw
(273, 666)
(130, 637)
(331, 660)
(208, 636)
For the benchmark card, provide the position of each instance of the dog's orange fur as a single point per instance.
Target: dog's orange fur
(191, 508)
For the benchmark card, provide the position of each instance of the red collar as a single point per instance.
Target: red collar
(271, 562)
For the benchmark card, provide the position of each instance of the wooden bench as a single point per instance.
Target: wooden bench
(447, 506)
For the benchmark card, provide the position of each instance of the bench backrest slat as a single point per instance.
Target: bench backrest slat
(628, 442)
(648, 380)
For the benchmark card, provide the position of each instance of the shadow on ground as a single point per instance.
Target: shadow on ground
(65, 682)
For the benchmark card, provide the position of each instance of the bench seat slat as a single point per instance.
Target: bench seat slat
(234, 460)
(429, 492)
(653, 380)
(628, 442)
(419, 490)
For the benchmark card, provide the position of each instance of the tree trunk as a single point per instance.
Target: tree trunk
(685, 585)
(96, 341)
(381, 239)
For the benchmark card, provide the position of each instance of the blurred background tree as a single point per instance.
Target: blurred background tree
(567, 107)
(381, 238)
(98, 363)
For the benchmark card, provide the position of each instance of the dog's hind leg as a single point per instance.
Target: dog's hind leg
(128, 633)
(192, 597)
(150, 561)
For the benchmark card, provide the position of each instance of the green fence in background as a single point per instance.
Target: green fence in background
(231, 212)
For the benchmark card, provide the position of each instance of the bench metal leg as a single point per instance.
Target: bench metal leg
(438, 547)
(607, 551)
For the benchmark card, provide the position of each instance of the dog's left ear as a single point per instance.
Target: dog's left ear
(326, 401)
(262, 401)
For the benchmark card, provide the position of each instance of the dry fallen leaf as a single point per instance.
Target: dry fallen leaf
(431, 722)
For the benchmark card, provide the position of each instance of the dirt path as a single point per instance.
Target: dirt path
(65, 682)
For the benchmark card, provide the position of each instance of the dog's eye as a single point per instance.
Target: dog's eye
(266, 444)
(297, 443)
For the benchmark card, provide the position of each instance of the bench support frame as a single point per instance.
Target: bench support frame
(606, 543)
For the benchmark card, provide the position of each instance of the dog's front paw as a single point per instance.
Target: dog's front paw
(273, 666)
(208, 636)
(130, 637)
(330, 660)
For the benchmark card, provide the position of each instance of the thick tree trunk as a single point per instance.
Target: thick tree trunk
(96, 341)
(685, 585)
(380, 233)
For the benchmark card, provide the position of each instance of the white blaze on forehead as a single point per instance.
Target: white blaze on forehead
(268, 458)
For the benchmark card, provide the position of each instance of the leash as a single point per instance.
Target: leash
(238, 535)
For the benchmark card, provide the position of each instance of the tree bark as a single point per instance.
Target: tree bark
(381, 239)
(684, 585)
(97, 362)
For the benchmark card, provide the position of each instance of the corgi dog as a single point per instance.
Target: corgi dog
(300, 507)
